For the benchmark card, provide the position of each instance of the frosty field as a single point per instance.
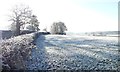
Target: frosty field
(74, 52)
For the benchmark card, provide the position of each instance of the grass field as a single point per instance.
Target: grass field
(75, 52)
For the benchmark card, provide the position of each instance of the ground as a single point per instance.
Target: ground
(74, 52)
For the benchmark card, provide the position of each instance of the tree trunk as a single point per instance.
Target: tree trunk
(17, 31)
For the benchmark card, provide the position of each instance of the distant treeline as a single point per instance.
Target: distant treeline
(103, 33)
(100, 33)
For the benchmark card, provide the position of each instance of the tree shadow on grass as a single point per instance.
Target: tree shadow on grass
(95, 44)
(91, 45)
(38, 59)
(78, 60)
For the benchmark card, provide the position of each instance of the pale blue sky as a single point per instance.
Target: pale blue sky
(108, 8)
(78, 15)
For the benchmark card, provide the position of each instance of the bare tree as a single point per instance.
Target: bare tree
(20, 16)
(29, 27)
(45, 29)
(58, 28)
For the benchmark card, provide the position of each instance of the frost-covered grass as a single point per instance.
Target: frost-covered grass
(61, 52)
(15, 51)
(74, 52)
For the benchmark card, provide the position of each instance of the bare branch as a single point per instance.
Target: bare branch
(20, 16)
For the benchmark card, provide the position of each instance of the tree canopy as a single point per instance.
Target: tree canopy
(58, 28)
(20, 16)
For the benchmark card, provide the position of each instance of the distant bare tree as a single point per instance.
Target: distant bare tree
(20, 16)
(45, 29)
(58, 28)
